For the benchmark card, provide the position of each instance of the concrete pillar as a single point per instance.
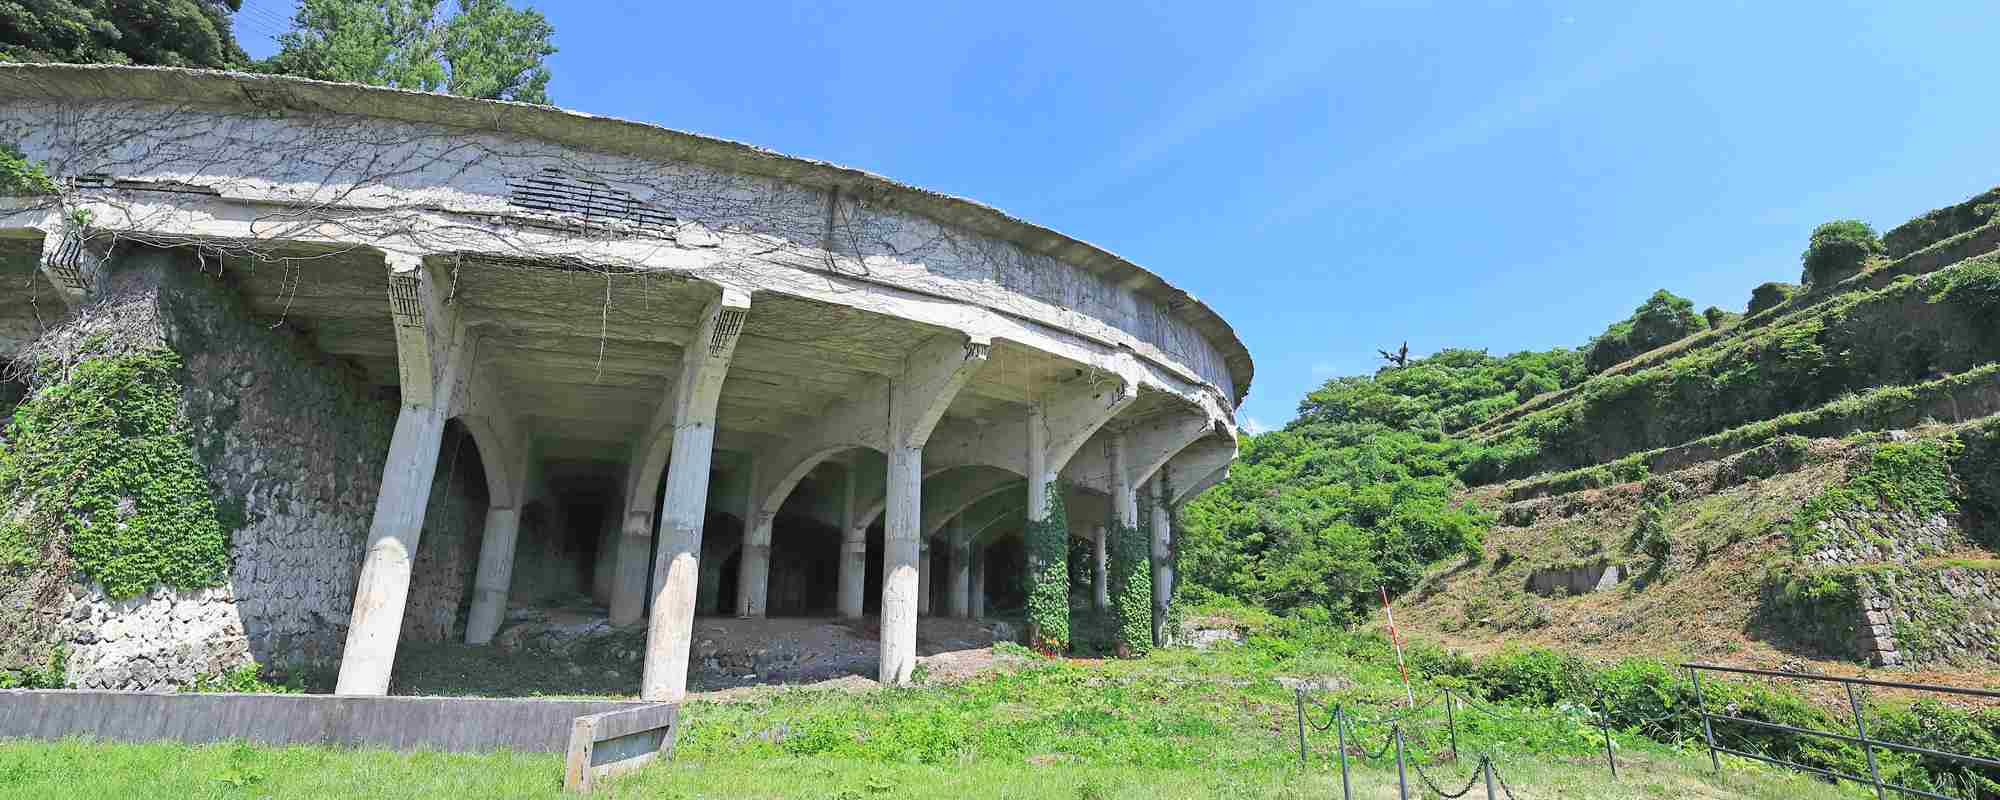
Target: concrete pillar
(900, 551)
(677, 569)
(601, 575)
(978, 594)
(926, 566)
(753, 579)
(496, 571)
(853, 552)
(431, 350)
(1100, 563)
(958, 572)
(1163, 561)
(633, 561)
(384, 588)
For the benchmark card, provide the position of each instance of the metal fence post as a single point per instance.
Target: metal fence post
(1451, 723)
(1604, 718)
(1402, 778)
(1299, 702)
(1707, 727)
(1486, 768)
(1340, 719)
(1861, 729)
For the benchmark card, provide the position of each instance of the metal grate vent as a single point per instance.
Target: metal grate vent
(557, 191)
(727, 326)
(404, 302)
(66, 263)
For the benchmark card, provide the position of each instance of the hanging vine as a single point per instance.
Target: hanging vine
(1048, 577)
(1132, 584)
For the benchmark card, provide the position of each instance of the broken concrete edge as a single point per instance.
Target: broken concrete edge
(616, 742)
(274, 94)
(444, 724)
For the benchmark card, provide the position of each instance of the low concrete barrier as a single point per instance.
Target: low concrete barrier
(450, 724)
(616, 742)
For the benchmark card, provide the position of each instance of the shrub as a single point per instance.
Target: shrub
(19, 176)
(1769, 295)
(1664, 318)
(1838, 249)
(1717, 317)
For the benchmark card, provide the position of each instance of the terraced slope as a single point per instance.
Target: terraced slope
(1906, 334)
(1875, 549)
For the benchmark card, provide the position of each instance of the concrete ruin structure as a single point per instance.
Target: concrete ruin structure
(473, 351)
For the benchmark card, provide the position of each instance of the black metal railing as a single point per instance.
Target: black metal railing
(1860, 737)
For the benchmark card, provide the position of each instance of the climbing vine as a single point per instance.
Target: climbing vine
(1048, 577)
(1132, 585)
(101, 458)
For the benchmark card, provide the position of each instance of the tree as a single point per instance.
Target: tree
(174, 33)
(485, 49)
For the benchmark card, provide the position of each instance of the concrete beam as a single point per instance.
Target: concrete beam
(1149, 444)
(1202, 465)
(676, 569)
(436, 349)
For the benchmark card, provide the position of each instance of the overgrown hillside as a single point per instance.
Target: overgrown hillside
(1812, 478)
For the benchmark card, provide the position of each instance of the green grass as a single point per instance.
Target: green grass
(1177, 724)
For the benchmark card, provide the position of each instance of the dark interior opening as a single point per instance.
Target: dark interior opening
(1006, 578)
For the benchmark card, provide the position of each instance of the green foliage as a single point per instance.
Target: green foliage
(103, 458)
(1651, 536)
(1838, 249)
(245, 678)
(19, 176)
(1048, 577)
(1132, 584)
(52, 673)
(1910, 476)
(1717, 317)
(173, 33)
(1358, 492)
(485, 48)
(1973, 286)
(1941, 224)
(1768, 295)
(1663, 319)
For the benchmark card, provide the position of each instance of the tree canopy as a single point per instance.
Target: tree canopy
(485, 48)
(174, 33)
(1356, 493)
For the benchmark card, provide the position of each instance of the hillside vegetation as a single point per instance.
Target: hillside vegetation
(1811, 478)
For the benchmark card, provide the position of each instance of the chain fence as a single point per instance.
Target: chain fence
(1354, 738)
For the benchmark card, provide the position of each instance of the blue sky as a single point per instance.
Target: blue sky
(1338, 177)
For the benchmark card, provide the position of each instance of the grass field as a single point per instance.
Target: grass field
(1178, 724)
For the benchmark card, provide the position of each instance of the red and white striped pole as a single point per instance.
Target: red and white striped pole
(1397, 640)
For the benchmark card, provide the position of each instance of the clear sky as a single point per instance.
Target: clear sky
(1338, 177)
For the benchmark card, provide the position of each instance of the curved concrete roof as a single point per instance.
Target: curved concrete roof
(608, 134)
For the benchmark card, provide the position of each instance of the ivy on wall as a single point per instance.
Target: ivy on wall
(101, 457)
(1048, 577)
(1132, 585)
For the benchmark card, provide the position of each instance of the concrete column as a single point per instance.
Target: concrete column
(924, 578)
(753, 579)
(958, 573)
(1100, 564)
(384, 588)
(677, 569)
(431, 351)
(496, 571)
(632, 562)
(853, 552)
(977, 596)
(1163, 562)
(1124, 495)
(900, 548)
